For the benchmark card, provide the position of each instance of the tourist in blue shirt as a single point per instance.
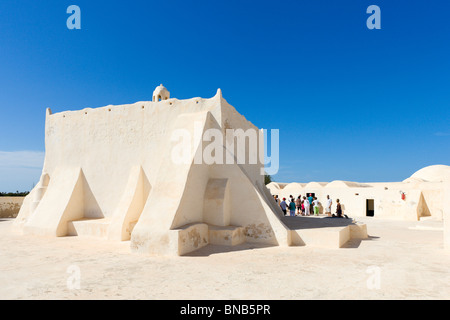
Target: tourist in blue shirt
(310, 199)
(292, 208)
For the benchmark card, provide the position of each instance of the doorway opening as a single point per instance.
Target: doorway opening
(370, 207)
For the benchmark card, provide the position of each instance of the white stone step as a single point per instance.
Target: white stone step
(89, 228)
(329, 237)
(194, 236)
(226, 236)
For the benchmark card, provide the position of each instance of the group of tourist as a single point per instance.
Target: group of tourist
(306, 206)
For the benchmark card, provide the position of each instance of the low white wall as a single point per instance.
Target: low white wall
(421, 200)
(10, 206)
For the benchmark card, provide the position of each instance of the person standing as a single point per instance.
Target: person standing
(306, 204)
(338, 209)
(283, 206)
(316, 206)
(298, 204)
(328, 206)
(310, 199)
(292, 208)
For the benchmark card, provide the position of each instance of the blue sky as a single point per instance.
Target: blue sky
(350, 103)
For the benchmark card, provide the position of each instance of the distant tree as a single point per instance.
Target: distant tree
(14, 194)
(267, 179)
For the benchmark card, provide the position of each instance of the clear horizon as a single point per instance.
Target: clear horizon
(351, 103)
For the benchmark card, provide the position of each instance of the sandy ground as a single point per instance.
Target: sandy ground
(401, 260)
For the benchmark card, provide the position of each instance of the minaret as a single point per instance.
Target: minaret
(160, 93)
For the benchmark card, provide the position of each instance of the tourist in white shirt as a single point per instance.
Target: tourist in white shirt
(328, 206)
(306, 204)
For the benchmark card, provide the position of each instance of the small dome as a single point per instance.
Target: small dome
(436, 173)
(273, 185)
(314, 185)
(160, 93)
(294, 186)
(346, 184)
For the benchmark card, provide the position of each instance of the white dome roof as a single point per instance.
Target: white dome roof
(160, 88)
(346, 184)
(436, 173)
